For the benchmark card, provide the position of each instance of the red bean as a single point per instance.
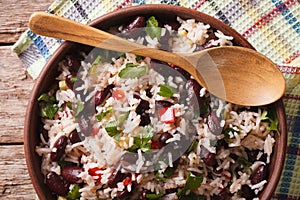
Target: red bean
(141, 110)
(193, 93)
(57, 184)
(102, 95)
(132, 27)
(73, 63)
(60, 146)
(164, 137)
(115, 177)
(213, 123)
(163, 104)
(125, 194)
(247, 192)
(208, 157)
(70, 173)
(259, 174)
(223, 195)
(74, 137)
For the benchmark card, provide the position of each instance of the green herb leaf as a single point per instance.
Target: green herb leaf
(95, 65)
(143, 141)
(45, 97)
(193, 196)
(48, 110)
(73, 79)
(154, 196)
(270, 116)
(74, 194)
(138, 58)
(112, 130)
(122, 118)
(79, 107)
(152, 28)
(192, 182)
(245, 163)
(227, 137)
(103, 114)
(133, 71)
(193, 146)
(166, 90)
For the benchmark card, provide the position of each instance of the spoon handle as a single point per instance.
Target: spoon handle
(58, 27)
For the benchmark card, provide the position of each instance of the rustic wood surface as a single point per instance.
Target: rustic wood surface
(15, 87)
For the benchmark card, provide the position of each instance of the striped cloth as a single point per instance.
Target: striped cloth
(271, 26)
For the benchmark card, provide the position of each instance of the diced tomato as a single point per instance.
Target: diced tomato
(127, 181)
(118, 94)
(167, 115)
(156, 145)
(93, 172)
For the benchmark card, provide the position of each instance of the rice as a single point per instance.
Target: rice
(136, 139)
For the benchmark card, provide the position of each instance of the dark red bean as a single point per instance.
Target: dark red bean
(74, 137)
(73, 63)
(252, 155)
(145, 119)
(138, 22)
(213, 123)
(102, 95)
(125, 194)
(60, 146)
(164, 137)
(259, 174)
(115, 177)
(57, 184)
(193, 95)
(70, 173)
(163, 104)
(247, 192)
(141, 110)
(148, 93)
(208, 157)
(175, 25)
(223, 195)
(144, 193)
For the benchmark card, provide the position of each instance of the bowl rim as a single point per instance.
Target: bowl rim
(132, 11)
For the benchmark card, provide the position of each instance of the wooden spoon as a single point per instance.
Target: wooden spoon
(235, 74)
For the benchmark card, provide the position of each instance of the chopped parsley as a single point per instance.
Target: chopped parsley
(192, 182)
(227, 136)
(74, 194)
(112, 129)
(245, 163)
(269, 115)
(166, 90)
(152, 28)
(143, 141)
(48, 106)
(154, 196)
(103, 114)
(132, 71)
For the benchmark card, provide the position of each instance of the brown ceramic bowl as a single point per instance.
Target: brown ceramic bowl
(47, 76)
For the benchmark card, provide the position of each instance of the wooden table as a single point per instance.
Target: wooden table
(15, 87)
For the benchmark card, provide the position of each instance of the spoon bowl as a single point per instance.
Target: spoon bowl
(235, 74)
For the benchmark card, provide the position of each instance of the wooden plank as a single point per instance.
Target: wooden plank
(14, 179)
(15, 87)
(14, 17)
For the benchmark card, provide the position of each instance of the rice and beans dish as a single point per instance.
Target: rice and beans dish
(122, 126)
